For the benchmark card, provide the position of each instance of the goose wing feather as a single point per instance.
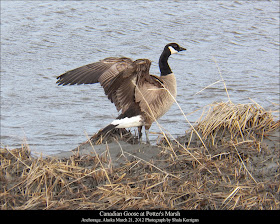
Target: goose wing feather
(127, 84)
(101, 71)
(121, 89)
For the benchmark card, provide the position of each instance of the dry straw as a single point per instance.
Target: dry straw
(234, 174)
(242, 121)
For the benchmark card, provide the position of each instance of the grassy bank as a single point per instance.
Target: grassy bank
(228, 160)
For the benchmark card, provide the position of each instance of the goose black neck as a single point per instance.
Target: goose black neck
(163, 64)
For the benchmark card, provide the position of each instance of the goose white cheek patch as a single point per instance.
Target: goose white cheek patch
(172, 50)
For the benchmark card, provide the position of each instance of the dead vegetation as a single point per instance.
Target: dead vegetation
(114, 135)
(241, 121)
(239, 169)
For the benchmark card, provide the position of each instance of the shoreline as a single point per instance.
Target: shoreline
(222, 169)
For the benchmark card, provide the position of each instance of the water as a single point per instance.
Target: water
(41, 40)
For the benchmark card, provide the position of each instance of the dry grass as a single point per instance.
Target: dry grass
(114, 135)
(240, 173)
(37, 183)
(242, 121)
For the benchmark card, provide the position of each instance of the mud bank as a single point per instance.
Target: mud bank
(229, 168)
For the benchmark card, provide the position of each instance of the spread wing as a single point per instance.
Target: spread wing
(135, 90)
(127, 84)
(118, 76)
(102, 71)
(122, 88)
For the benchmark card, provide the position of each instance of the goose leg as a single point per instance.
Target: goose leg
(147, 136)
(140, 134)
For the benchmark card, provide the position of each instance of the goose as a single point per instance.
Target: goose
(141, 97)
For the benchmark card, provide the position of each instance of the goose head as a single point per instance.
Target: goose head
(174, 48)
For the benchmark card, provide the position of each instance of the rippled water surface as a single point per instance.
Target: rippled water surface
(41, 40)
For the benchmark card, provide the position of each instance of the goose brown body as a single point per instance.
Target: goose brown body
(156, 100)
(141, 97)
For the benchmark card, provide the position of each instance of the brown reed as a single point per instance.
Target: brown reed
(241, 172)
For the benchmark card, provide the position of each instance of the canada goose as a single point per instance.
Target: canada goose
(141, 97)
